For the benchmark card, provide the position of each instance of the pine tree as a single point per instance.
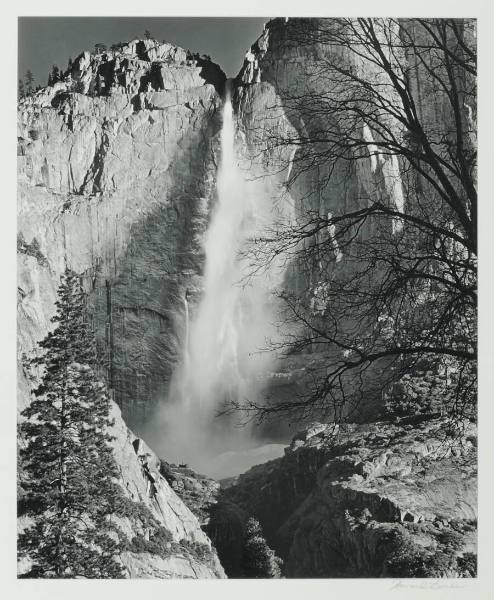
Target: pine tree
(29, 82)
(259, 561)
(70, 472)
(147, 34)
(55, 74)
(21, 91)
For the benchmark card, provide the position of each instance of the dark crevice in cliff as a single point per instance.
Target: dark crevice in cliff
(212, 73)
(334, 508)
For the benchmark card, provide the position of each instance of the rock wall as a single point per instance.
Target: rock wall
(116, 172)
(276, 71)
(279, 66)
(116, 179)
(142, 483)
(288, 63)
(380, 500)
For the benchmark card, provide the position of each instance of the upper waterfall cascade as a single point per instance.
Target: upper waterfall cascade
(224, 336)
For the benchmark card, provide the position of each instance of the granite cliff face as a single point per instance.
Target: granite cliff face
(380, 500)
(277, 70)
(283, 69)
(116, 171)
(115, 178)
(289, 62)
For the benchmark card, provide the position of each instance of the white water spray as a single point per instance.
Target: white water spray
(221, 346)
(186, 345)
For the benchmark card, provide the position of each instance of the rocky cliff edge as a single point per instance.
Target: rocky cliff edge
(378, 500)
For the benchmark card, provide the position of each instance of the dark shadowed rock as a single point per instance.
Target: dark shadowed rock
(376, 500)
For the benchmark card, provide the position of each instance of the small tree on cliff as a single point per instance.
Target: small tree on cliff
(54, 75)
(29, 82)
(21, 90)
(70, 472)
(100, 48)
(259, 561)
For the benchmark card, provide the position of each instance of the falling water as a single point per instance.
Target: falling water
(214, 342)
(221, 359)
(186, 345)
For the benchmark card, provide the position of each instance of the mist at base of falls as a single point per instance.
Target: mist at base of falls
(224, 335)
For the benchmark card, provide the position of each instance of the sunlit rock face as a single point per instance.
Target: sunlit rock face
(288, 63)
(276, 71)
(142, 482)
(277, 74)
(116, 180)
(379, 500)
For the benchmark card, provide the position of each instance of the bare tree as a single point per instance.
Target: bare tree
(384, 119)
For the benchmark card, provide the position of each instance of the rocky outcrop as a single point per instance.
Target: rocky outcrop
(187, 553)
(116, 168)
(198, 492)
(376, 500)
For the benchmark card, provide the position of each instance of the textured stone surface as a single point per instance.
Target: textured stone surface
(276, 71)
(117, 183)
(197, 491)
(149, 566)
(347, 501)
(142, 483)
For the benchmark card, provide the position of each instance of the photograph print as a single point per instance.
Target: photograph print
(247, 298)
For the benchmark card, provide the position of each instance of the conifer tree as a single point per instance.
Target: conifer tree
(21, 91)
(29, 79)
(259, 561)
(55, 74)
(70, 472)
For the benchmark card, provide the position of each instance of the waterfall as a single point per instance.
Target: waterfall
(186, 345)
(214, 343)
(221, 358)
